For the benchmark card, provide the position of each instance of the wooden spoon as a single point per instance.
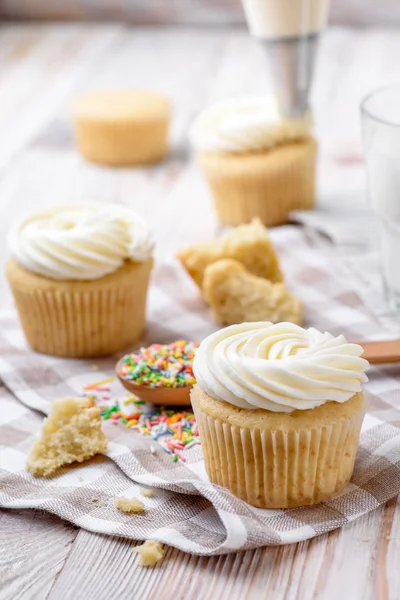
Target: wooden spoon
(381, 352)
(162, 395)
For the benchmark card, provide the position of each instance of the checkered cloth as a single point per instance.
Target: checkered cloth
(187, 511)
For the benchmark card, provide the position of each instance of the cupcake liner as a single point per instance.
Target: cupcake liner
(267, 185)
(280, 468)
(81, 318)
(121, 142)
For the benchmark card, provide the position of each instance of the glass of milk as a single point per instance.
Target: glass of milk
(380, 112)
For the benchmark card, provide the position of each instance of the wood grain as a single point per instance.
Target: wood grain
(382, 352)
(33, 548)
(42, 67)
(193, 12)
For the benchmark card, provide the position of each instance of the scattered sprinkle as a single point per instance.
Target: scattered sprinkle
(147, 492)
(174, 430)
(150, 552)
(169, 365)
(129, 505)
(94, 386)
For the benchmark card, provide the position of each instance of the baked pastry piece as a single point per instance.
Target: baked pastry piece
(72, 433)
(122, 127)
(79, 275)
(279, 410)
(249, 244)
(237, 296)
(257, 161)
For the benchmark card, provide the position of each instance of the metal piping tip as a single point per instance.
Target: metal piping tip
(292, 63)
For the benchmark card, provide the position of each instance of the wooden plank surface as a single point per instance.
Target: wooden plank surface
(193, 12)
(41, 68)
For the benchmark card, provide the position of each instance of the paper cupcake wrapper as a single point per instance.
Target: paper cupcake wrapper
(82, 319)
(280, 469)
(121, 142)
(268, 187)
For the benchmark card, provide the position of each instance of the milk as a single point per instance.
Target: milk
(384, 194)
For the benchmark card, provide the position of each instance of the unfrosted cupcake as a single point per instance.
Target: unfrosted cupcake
(122, 127)
(257, 163)
(79, 275)
(279, 410)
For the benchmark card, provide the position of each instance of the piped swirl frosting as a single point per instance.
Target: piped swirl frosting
(247, 124)
(280, 367)
(80, 241)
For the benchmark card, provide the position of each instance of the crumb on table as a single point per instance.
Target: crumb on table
(129, 505)
(150, 553)
(147, 492)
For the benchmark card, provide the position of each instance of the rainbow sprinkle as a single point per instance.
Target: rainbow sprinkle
(169, 366)
(175, 431)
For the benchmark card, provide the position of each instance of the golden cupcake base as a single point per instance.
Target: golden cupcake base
(125, 127)
(267, 185)
(81, 318)
(279, 460)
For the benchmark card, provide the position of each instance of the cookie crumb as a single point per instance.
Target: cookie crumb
(94, 499)
(150, 553)
(147, 492)
(129, 505)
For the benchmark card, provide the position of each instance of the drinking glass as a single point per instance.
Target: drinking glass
(380, 114)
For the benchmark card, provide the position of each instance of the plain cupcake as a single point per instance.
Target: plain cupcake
(122, 127)
(79, 275)
(279, 410)
(257, 163)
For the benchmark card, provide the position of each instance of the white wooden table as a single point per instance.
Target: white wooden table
(41, 67)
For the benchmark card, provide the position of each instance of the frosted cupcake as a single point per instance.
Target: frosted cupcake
(279, 410)
(79, 275)
(257, 163)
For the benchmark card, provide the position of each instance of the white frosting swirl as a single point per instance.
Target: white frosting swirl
(80, 241)
(247, 124)
(280, 367)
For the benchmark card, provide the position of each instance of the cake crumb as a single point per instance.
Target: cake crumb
(94, 499)
(129, 505)
(153, 450)
(95, 367)
(364, 539)
(150, 553)
(71, 433)
(147, 492)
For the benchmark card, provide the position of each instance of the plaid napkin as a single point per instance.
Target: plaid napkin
(187, 511)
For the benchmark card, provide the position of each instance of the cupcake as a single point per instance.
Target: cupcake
(122, 127)
(79, 275)
(279, 410)
(257, 163)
